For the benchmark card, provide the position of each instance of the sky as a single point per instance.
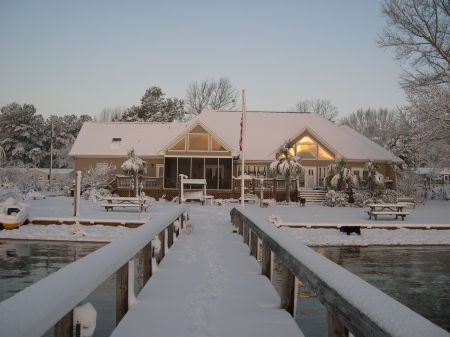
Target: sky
(79, 57)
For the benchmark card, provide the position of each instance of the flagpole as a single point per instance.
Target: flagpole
(244, 110)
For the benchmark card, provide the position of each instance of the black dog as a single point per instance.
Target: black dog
(350, 229)
(302, 202)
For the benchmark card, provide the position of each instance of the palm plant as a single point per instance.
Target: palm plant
(286, 164)
(375, 180)
(134, 166)
(341, 178)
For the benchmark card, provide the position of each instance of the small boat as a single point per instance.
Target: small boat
(13, 213)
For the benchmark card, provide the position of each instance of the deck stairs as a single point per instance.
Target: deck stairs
(316, 196)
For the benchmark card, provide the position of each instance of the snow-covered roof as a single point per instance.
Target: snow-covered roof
(54, 170)
(433, 171)
(96, 139)
(265, 133)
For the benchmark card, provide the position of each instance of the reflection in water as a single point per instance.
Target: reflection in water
(23, 263)
(418, 277)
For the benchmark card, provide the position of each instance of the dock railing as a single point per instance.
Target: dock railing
(352, 304)
(50, 302)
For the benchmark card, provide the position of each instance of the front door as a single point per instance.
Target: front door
(310, 177)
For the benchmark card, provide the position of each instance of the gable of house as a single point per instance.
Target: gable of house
(197, 140)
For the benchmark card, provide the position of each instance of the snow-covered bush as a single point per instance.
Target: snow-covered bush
(336, 199)
(33, 195)
(17, 179)
(361, 198)
(95, 184)
(96, 194)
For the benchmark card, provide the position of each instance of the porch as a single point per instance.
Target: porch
(273, 188)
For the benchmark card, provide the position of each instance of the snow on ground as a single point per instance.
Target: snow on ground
(435, 212)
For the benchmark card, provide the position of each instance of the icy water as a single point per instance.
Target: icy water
(23, 263)
(418, 277)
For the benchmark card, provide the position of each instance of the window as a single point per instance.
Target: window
(215, 145)
(101, 165)
(180, 146)
(324, 154)
(257, 171)
(307, 148)
(198, 142)
(159, 170)
(117, 140)
(307, 151)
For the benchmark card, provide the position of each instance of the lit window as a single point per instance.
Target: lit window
(180, 146)
(324, 154)
(198, 142)
(307, 151)
(215, 145)
(306, 139)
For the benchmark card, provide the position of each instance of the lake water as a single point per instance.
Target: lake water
(25, 262)
(419, 277)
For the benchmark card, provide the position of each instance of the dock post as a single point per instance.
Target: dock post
(147, 265)
(163, 245)
(288, 291)
(64, 327)
(335, 327)
(266, 262)
(253, 244)
(121, 292)
(170, 235)
(240, 226)
(246, 234)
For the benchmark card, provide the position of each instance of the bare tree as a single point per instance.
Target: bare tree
(418, 30)
(110, 114)
(377, 125)
(320, 106)
(214, 95)
(432, 101)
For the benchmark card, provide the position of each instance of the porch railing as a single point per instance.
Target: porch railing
(147, 182)
(269, 184)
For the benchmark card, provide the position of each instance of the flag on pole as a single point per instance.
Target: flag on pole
(242, 132)
(241, 147)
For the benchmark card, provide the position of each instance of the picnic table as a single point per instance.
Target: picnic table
(125, 202)
(387, 209)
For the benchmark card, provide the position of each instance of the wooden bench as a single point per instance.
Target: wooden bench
(194, 195)
(142, 207)
(407, 201)
(249, 198)
(396, 213)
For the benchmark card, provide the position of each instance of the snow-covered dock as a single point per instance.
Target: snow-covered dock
(130, 223)
(208, 285)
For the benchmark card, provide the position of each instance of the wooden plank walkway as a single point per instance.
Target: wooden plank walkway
(208, 285)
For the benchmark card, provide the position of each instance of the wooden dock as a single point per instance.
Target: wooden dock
(208, 285)
(86, 222)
